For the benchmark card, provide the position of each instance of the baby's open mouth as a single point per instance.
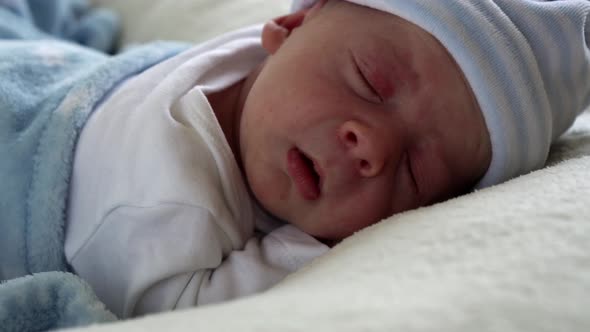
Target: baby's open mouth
(303, 172)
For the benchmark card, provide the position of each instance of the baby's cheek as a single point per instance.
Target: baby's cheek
(369, 209)
(269, 190)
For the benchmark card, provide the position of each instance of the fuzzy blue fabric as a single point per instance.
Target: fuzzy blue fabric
(48, 301)
(72, 20)
(48, 89)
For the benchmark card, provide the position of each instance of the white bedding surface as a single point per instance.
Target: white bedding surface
(514, 257)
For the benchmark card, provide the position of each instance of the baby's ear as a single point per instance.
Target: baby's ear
(276, 31)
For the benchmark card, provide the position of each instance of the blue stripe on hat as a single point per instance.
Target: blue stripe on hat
(543, 30)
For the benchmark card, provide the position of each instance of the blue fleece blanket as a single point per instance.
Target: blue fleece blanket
(48, 89)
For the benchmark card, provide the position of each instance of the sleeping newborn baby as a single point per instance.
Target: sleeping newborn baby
(214, 174)
(331, 135)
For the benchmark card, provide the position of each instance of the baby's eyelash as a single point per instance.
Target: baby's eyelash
(364, 78)
(369, 84)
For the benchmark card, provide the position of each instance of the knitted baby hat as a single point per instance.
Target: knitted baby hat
(527, 62)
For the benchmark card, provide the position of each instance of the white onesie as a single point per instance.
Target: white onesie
(159, 216)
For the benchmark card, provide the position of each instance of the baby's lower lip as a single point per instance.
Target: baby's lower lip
(302, 175)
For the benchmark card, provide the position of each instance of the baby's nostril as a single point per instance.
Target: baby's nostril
(351, 138)
(364, 164)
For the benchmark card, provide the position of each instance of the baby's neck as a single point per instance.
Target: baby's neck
(227, 106)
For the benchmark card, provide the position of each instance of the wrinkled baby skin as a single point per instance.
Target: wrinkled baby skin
(356, 115)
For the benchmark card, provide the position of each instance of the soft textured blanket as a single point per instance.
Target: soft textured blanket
(72, 20)
(49, 300)
(48, 88)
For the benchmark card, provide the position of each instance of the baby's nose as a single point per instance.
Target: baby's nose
(364, 146)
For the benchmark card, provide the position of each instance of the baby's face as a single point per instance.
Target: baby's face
(356, 116)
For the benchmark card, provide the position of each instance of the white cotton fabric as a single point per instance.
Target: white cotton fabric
(159, 216)
(527, 62)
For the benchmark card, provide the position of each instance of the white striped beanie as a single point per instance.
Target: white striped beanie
(527, 62)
